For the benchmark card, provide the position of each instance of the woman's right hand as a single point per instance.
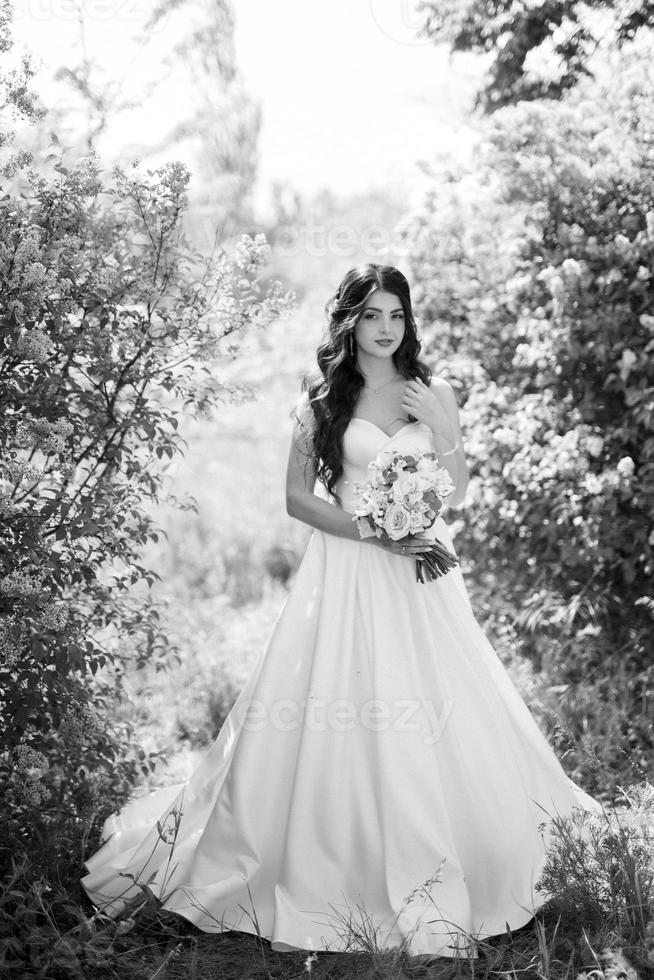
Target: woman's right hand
(409, 546)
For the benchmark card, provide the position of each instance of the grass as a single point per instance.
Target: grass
(599, 925)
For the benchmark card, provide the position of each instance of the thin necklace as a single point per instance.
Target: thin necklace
(376, 390)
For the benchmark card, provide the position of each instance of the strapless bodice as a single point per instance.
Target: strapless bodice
(362, 440)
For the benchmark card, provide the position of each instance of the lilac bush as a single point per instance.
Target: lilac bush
(112, 326)
(534, 275)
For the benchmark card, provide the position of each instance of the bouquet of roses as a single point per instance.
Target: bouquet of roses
(404, 496)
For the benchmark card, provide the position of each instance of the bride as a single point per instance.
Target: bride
(379, 774)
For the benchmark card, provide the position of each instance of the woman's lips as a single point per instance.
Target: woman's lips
(384, 343)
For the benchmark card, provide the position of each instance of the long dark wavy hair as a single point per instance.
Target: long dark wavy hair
(334, 387)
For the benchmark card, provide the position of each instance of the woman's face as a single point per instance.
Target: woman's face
(382, 319)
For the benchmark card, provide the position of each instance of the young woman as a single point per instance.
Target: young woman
(379, 772)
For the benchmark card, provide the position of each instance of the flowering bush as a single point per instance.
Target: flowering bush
(111, 325)
(535, 286)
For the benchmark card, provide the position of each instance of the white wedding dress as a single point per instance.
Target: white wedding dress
(378, 743)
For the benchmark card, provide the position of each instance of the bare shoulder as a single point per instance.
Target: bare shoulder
(302, 410)
(440, 383)
(302, 400)
(443, 388)
(301, 472)
(304, 421)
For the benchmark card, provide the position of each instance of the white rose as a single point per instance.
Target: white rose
(423, 482)
(424, 465)
(415, 522)
(405, 484)
(397, 521)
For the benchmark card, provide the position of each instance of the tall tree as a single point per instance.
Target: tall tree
(185, 48)
(565, 32)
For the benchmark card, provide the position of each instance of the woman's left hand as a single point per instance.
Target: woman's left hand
(424, 404)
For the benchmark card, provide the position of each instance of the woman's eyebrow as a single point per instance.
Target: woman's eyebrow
(398, 309)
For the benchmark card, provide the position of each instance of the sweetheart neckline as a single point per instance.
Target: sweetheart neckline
(358, 418)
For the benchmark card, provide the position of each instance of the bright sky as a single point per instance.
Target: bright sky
(351, 98)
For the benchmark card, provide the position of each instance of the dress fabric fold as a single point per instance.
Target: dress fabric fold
(378, 773)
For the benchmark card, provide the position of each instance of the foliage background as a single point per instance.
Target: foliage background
(535, 277)
(142, 368)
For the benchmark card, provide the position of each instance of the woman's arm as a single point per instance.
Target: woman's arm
(301, 475)
(304, 505)
(448, 441)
